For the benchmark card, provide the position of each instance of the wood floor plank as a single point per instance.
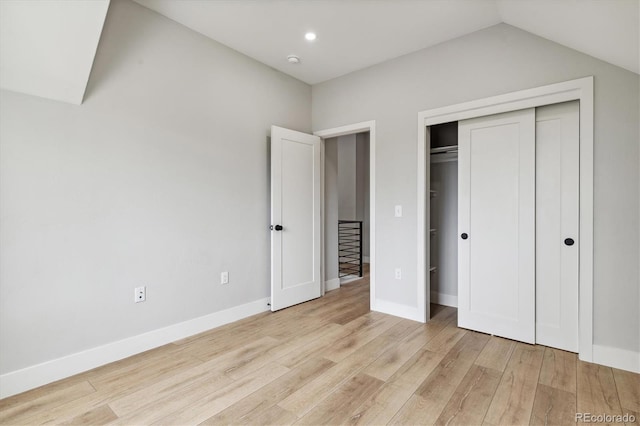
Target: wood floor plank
(496, 353)
(628, 386)
(416, 411)
(439, 386)
(472, 397)
(21, 411)
(446, 339)
(40, 391)
(293, 359)
(141, 373)
(359, 337)
(443, 314)
(303, 400)
(201, 399)
(263, 399)
(443, 381)
(383, 405)
(220, 399)
(273, 415)
(166, 389)
(125, 366)
(247, 357)
(559, 370)
(597, 393)
(337, 408)
(98, 416)
(513, 400)
(553, 406)
(391, 361)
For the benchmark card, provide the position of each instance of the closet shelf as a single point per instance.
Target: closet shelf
(442, 149)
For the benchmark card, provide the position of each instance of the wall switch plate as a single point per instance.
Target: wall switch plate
(398, 274)
(140, 294)
(398, 211)
(224, 277)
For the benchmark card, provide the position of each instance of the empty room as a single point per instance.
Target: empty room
(319, 212)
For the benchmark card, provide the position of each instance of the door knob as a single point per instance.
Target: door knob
(278, 228)
(464, 236)
(568, 241)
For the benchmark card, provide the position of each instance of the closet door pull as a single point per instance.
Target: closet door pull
(464, 236)
(568, 241)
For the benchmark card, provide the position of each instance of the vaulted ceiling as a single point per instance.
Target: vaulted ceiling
(359, 33)
(47, 47)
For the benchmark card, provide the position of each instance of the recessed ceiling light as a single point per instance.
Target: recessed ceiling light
(293, 59)
(310, 36)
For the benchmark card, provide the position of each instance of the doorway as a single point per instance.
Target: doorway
(346, 206)
(330, 208)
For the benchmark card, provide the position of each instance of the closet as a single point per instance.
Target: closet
(443, 229)
(517, 223)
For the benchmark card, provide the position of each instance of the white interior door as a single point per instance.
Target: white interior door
(557, 218)
(295, 218)
(496, 223)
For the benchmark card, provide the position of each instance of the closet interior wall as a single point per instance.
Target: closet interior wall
(443, 226)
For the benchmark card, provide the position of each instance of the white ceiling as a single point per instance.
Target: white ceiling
(356, 34)
(47, 47)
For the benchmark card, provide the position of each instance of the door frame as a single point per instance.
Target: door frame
(580, 89)
(364, 126)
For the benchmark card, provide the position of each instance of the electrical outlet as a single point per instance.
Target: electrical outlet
(398, 274)
(140, 294)
(224, 277)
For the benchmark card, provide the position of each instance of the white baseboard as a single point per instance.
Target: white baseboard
(398, 310)
(37, 375)
(617, 358)
(332, 284)
(444, 299)
(348, 278)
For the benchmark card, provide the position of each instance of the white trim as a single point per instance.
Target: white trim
(326, 287)
(37, 375)
(349, 278)
(444, 299)
(398, 310)
(617, 358)
(332, 284)
(364, 126)
(580, 89)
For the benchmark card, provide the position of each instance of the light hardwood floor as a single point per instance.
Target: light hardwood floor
(331, 361)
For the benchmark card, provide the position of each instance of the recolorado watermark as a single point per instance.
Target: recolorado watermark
(605, 418)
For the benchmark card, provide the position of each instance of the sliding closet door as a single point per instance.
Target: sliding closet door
(496, 223)
(557, 217)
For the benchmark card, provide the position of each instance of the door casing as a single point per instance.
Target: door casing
(579, 89)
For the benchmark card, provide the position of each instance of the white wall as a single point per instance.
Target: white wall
(362, 187)
(497, 60)
(444, 218)
(347, 177)
(331, 209)
(160, 179)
